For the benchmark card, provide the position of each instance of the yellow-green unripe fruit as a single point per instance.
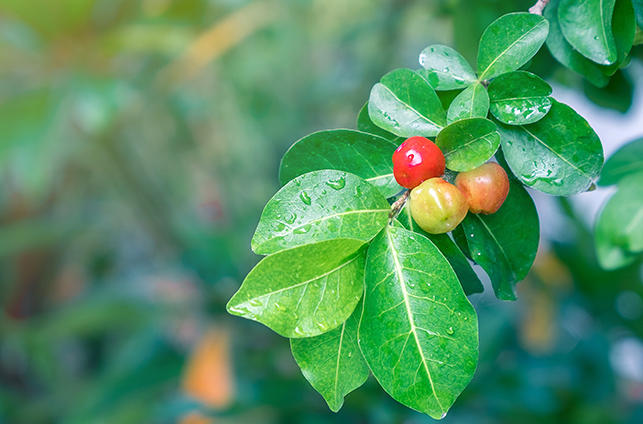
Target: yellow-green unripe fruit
(438, 206)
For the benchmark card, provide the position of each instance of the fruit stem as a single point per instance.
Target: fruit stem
(397, 206)
(537, 9)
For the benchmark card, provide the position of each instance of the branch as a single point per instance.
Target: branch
(537, 9)
(398, 205)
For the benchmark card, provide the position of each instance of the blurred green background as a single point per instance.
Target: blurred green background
(139, 142)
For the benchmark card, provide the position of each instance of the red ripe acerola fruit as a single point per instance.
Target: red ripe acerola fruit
(417, 160)
(485, 187)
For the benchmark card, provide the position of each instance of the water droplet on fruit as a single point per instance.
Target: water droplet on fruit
(337, 184)
(305, 197)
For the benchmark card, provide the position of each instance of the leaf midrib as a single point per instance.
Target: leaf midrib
(412, 108)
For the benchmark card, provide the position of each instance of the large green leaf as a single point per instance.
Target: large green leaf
(365, 124)
(505, 243)
(559, 155)
(587, 25)
(509, 42)
(305, 291)
(332, 362)
(320, 205)
(468, 143)
(365, 155)
(519, 98)
(566, 54)
(623, 29)
(468, 278)
(619, 228)
(418, 333)
(445, 68)
(406, 105)
(473, 102)
(627, 160)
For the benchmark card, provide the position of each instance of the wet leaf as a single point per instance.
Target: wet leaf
(468, 143)
(473, 102)
(509, 42)
(505, 243)
(519, 98)
(406, 105)
(623, 29)
(365, 124)
(627, 160)
(365, 155)
(332, 362)
(638, 12)
(320, 205)
(619, 227)
(587, 26)
(418, 332)
(305, 291)
(445, 68)
(559, 155)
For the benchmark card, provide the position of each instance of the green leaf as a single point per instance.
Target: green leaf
(365, 124)
(638, 11)
(619, 228)
(509, 42)
(332, 362)
(587, 25)
(305, 291)
(405, 104)
(505, 243)
(473, 102)
(445, 68)
(623, 29)
(627, 160)
(468, 278)
(418, 333)
(461, 241)
(519, 98)
(559, 155)
(468, 143)
(565, 53)
(365, 155)
(320, 205)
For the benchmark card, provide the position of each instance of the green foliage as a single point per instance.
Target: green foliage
(519, 98)
(445, 68)
(471, 103)
(468, 143)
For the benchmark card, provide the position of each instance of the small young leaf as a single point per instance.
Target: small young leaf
(468, 278)
(468, 143)
(418, 332)
(445, 68)
(587, 25)
(619, 228)
(509, 42)
(559, 155)
(627, 160)
(305, 291)
(505, 243)
(405, 104)
(320, 205)
(332, 362)
(565, 53)
(473, 102)
(519, 98)
(365, 124)
(365, 155)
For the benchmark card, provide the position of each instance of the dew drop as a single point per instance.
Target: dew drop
(450, 330)
(337, 184)
(281, 307)
(350, 354)
(290, 218)
(255, 302)
(305, 197)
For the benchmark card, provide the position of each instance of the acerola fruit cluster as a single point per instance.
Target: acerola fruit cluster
(438, 206)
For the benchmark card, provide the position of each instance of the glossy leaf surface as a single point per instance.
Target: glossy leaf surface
(587, 25)
(559, 155)
(566, 54)
(623, 29)
(473, 102)
(332, 362)
(305, 291)
(418, 333)
(468, 143)
(466, 275)
(519, 98)
(619, 229)
(406, 105)
(320, 205)
(505, 243)
(638, 12)
(365, 124)
(365, 155)
(445, 68)
(626, 160)
(509, 42)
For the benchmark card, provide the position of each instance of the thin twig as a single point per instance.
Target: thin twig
(537, 9)
(398, 205)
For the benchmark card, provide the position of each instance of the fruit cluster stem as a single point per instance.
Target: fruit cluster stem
(398, 205)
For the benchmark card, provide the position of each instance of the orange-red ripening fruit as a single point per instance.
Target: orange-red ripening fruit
(417, 160)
